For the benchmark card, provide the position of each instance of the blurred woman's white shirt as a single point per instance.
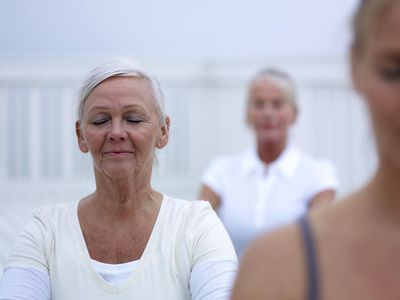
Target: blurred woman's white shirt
(256, 198)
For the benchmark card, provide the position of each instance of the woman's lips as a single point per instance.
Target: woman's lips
(118, 154)
(268, 126)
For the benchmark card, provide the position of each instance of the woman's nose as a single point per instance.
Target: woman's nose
(268, 110)
(117, 132)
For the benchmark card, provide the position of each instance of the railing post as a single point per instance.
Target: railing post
(67, 132)
(3, 135)
(35, 158)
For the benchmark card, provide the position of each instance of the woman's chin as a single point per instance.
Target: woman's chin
(118, 173)
(270, 138)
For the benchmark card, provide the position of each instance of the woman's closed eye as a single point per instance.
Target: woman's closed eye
(390, 73)
(103, 119)
(134, 119)
(100, 121)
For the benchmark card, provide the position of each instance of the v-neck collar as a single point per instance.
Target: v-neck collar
(144, 259)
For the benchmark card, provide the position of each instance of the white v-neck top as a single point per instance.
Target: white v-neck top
(186, 234)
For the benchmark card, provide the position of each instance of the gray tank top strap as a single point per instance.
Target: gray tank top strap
(311, 259)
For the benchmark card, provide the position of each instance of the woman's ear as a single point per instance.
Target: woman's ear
(247, 118)
(295, 113)
(81, 141)
(163, 140)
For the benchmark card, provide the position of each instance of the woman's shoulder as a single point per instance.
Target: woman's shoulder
(191, 214)
(320, 170)
(313, 161)
(273, 267)
(187, 206)
(55, 211)
(35, 243)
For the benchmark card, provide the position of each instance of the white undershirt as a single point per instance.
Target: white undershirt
(114, 273)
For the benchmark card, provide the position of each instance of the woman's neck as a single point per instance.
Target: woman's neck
(124, 197)
(384, 190)
(269, 152)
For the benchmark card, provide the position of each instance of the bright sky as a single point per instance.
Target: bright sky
(175, 29)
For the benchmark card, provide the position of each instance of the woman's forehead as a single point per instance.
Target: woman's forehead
(378, 26)
(122, 83)
(121, 91)
(267, 86)
(386, 33)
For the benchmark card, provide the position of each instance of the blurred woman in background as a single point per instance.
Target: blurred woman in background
(274, 182)
(350, 250)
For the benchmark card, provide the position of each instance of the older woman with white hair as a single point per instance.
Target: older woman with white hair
(125, 240)
(274, 182)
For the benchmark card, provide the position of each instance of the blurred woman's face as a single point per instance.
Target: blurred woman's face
(121, 128)
(376, 75)
(270, 113)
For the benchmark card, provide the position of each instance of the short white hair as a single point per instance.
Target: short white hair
(281, 79)
(120, 67)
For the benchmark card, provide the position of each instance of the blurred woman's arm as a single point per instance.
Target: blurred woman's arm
(322, 198)
(206, 193)
(325, 184)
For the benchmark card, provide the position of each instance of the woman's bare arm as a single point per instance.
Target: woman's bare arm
(208, 194)
(322, 198)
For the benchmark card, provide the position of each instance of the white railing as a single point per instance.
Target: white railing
(206, 102)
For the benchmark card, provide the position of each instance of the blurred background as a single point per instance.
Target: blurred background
(204, 53)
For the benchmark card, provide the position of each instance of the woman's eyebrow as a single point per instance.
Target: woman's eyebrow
(130, 106)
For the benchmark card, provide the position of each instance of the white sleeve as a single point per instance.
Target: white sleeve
(34, 244)
(214, 261)
(214, 176)
(213, 280)
(325, 177)
(24, 283)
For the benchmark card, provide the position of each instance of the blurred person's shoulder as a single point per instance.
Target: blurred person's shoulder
(310, 160)
(273, 266)
(321, 170)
